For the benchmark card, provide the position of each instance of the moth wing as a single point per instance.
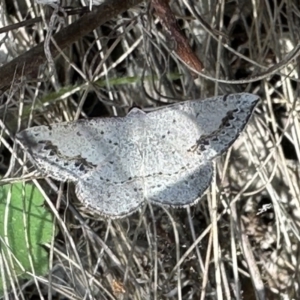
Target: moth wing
(111, 199)
(182, 189)
(69, 150)
(205, 128)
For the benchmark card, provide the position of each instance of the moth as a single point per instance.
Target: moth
(163, 157)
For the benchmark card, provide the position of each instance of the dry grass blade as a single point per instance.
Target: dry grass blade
(239, 242)
(27, 64)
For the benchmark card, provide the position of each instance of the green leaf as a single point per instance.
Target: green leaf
(25, 225)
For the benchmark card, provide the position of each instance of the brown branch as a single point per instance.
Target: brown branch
(27, 64)
(29, 22)
(182, 47)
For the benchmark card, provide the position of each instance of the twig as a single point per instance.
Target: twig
(30, 22)
(182, 47)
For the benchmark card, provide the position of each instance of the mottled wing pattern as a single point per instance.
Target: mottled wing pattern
(114, 200)
(179, 189)
(67, 151)
(208, 127)
(163, 157)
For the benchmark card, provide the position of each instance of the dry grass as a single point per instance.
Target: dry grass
(241, 241)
